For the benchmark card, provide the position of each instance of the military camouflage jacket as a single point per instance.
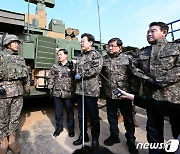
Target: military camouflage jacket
(89, 66)
(160, 62)
(61, 81)
(116, 69)
(14, 75)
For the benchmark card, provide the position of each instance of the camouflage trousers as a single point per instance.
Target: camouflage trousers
(10, 110)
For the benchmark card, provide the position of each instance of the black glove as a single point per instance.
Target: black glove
(70, 65)
(117, 92)
(152, 84)
(2, 90)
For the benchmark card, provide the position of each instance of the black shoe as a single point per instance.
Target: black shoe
(79, 140)
(71, 133)
(111, 141)
(132, 148)
(95, 143)
(57, 132)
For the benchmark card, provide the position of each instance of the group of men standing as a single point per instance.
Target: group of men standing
(89, 67)
(156, 68)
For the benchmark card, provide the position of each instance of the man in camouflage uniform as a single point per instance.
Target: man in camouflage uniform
(116, 71)
(88, 67)
(61, 85)
(158, 66)
(14, 78)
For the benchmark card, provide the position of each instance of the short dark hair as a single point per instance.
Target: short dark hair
(119, 42)
(162, 25)
(64, 50)
(90, 37)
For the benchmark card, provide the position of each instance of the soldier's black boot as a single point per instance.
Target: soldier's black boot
(57, 132)
(80, 139)
(111, 140)
(95, 143)
(71, 133)
(132, 147)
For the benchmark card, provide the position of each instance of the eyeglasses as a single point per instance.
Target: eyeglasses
(108, 46)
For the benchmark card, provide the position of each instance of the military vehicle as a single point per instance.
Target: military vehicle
(39, 42)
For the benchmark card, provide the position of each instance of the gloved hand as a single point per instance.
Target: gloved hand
(117, 92)
(27, 92)
(2, 90)
(70, 65)
(77, 77)
(152, 84)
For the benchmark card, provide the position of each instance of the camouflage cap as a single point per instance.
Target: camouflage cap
(10, 38)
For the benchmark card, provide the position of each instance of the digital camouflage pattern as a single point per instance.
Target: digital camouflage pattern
(14, 74)
(9, 120)
(89, 66)
(61, 81)
(14, 77)
(160, 62)
(116, 69)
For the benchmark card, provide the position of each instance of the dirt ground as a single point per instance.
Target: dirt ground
(37, 125)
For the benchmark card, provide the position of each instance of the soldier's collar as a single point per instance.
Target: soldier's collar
(86, 52)
(14, 53)
(62, 64)
(9, 51)
(161, 41)
(59, 63)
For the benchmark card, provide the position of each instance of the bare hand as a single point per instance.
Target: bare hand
(127, 95)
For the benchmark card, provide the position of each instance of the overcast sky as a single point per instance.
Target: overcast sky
(126, 19)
